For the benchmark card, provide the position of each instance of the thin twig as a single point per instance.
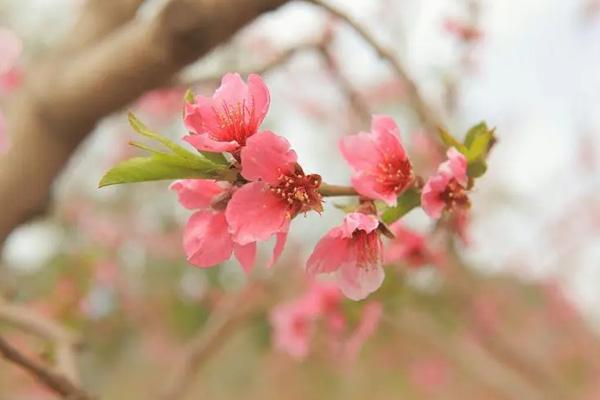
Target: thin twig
(328, 190)
(220, 326)
(424, 112)
(65, 341)
(271, 65)
(53, 381)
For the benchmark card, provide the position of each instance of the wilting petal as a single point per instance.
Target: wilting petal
(206, 239)
(246, 255)
(254, 213)
(267, 156)
(367, 185)
(358, 282)
(197, 193)
(204, 142)
(329, 254)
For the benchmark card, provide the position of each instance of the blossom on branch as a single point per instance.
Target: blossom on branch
(224, 122)
(381, 165)
(353, 251)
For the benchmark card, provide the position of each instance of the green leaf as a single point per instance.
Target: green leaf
(406, 202)
(450, 141)
(476, 168)
(477, 130)
(216, 158)
(479, 141)
(159, 166)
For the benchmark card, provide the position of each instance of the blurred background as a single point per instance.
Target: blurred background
(512, 312)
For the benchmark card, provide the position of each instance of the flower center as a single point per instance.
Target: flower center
(394, 175)
(455, 196)
(368, 248)
(237, 122)
(300, 192)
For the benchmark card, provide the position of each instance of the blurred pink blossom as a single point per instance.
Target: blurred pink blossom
(408, 247)
(369, 321)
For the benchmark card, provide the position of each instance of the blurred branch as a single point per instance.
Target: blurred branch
(55, 382)
(220, 326)
(46, 126)
(358, 105)
(39, 325)
(424, 112)
(274, 63)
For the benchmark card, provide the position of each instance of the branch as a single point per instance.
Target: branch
(47, 125)
(425, 114)
(328, 190)
(57, 383)
(220, 326)
(39, 325)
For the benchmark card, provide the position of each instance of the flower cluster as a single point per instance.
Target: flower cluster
(259, 187)
(270, 190)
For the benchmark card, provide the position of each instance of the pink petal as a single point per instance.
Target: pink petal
(367, 185)
(329, 254)
(254, 213)
(246, 255)
(280, 241)
(356, 220)
(233, 90)
(259, 94)
(387, 137)
(431, 201)
(197, 193)
(206, 239)
(267, 156)
(204, 142)
(201, 117)
(357, 283)
(457, 165)
(360, 151)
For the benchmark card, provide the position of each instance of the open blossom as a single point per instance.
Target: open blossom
(408, 246)
(447, 188)
(206, 238)
(354, 251)
(224, 122)
(276, 192)
(382, 168)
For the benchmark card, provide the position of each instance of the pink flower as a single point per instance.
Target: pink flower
(383, 170)
(447, 188)
(224, 122)
(294, 322)
(206, 239)
(408, 246)
(353, 251)
(277, 191)
(293, 328)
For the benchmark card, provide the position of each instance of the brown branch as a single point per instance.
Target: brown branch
(47, 122)
(53, 381)
(328, 190)
(218, 329)
(269, 66)
(65, 341)
(424, 112)
(358, 105)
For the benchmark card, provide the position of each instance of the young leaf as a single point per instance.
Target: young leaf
(450, 141)
(159, 166)
(477, 130)
(188, 97)
(406, 202)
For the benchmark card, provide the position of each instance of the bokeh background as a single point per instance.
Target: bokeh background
(515, 318)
